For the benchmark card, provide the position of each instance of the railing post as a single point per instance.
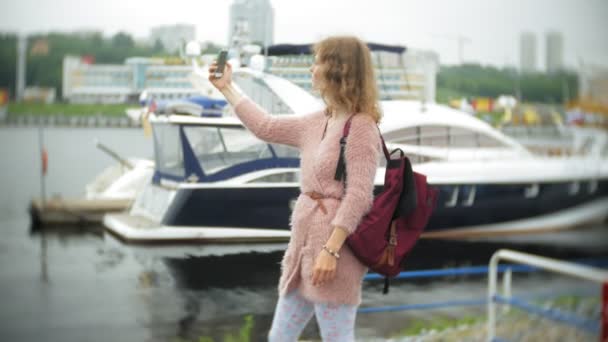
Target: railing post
(506, 288)
(561, 267)
(491, 292)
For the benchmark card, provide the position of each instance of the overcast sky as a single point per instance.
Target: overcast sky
(493, 26)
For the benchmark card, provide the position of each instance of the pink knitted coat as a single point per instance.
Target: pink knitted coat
(310, 227)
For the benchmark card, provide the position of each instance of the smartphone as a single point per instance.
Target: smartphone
(221, 63)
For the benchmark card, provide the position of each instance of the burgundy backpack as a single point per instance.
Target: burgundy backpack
(399, 214)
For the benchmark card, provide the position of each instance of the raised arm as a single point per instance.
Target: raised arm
(287, 129)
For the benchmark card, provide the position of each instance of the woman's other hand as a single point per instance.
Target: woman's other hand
(324, 269)
(223, 81)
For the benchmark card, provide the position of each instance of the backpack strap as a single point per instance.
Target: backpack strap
(340, 174)
(386, 285)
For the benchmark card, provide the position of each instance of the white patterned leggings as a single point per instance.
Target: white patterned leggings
(336, 321)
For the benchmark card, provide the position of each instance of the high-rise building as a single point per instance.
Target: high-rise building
(173, 36)
(257, 16)
(527, 52)
(555, 51)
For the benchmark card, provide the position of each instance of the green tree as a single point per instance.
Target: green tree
(46, 70)
(158, 46)
(477, 80)
(122, 40)
(8, 61)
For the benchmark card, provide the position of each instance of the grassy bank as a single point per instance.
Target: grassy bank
(417, 327)
(513, 325)
(66, 109)
(444, 95)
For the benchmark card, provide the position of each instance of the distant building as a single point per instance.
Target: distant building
(408, 76)
(420, 68)
(257, 16)
(122, 83)
(554, 52)
(39, 94)
(593, 83)
(527, 52)
(172, 36)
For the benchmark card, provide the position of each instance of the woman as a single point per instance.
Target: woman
(320, 274)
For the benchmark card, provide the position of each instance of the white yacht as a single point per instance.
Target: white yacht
(215, 182)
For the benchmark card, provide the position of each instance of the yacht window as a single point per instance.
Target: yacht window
(487, 141)
(461, 137)
(436, 136)
(586, 146)
(442, 136)
(261, 93)
(406, 136)
(464, 138)
(283, 177)
(285, 151)
(219, 148)
(168, 147)
(416, 158)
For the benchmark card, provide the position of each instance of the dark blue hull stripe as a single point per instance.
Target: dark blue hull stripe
(269, 208)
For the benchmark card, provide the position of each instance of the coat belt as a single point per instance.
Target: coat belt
(319, 197)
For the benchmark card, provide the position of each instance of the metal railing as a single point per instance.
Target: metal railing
(568, 268)
(460, 271)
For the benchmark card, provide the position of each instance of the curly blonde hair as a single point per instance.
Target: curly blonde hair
(348, 76)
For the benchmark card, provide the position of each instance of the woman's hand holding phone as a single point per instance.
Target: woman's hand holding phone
(221, 78)
(222, 81)
(220, 71)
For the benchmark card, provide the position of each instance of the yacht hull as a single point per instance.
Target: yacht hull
(492, 203)
(258, 213)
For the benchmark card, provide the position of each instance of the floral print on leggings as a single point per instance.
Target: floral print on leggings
(336, 321)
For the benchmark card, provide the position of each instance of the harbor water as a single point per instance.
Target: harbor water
(81, 284)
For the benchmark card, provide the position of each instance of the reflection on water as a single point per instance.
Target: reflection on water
(81, 285)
